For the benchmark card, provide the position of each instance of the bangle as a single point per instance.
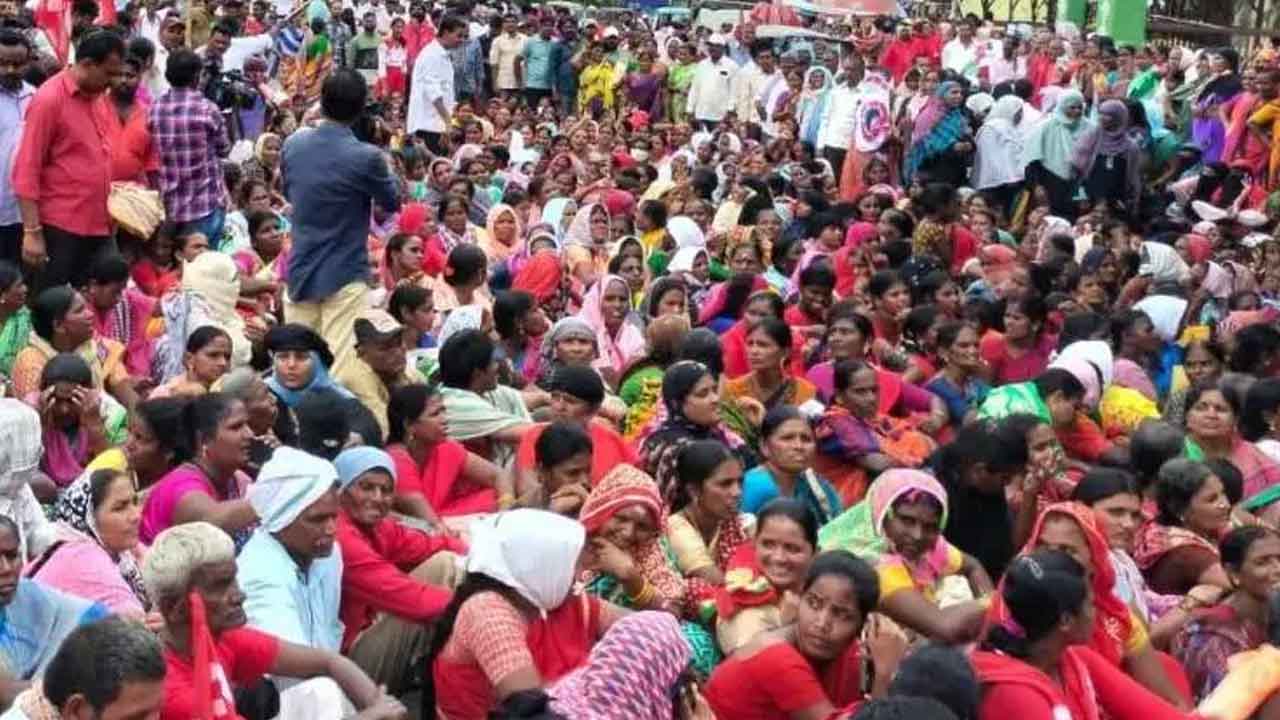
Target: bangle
(33, 230)
(645, 597)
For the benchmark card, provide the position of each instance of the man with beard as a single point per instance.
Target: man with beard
(15, 53)
(130, 142)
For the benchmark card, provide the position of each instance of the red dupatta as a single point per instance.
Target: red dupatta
(1112, 623)
(559, 643)
(1076, 694)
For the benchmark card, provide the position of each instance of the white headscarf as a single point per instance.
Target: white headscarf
(287, 485)
(534, 552)
(1089, 355)
(686, 232)
(20, 445)
(684, 259)
(1163, 263)
(463, 317)
(1166, 313)
(998, 159)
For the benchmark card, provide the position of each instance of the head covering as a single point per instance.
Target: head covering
(1097, 141)
(686, 232)
(1112, 623)
(553, 214)
(491, 223)
(1166, 313)
(354, 462)
(463, 317)
(20, 446)
(74, 509)
(933, 112)
(615, 350)
(260, 147)
(980, 103)
(1163, 264)
(1218, 281)
(1092, 363)
(534, 552)
(1199, 247)
(579, 232)
(287, 485)
(1055, 142)
(540, 277)
(292, 336)
(629, 674)
(214, 277)
(684, 258)
(860, 529)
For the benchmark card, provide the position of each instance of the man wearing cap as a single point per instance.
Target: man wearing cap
(711, 92)
(379, 365)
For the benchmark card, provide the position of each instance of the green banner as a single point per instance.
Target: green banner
(1124, 21)
(1072, 11)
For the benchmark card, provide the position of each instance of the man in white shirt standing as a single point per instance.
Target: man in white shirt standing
(963, 54)
(835, 129)
(750, 84)
(431, 97)
(711, 93)
(504, 54)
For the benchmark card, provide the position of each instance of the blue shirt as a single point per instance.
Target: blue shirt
(332, 180)
(759, 487)
(540, 63)
(301, 608)
(13, 106)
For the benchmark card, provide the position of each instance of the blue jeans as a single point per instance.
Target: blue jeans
(210, 226)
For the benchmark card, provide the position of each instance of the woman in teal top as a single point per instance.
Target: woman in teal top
(789, 448)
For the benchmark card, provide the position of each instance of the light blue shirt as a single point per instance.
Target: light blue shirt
(540, 63)
(13, 106)
(759, 487)
(281, 599)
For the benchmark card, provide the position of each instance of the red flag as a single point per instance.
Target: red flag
(54, 18)
(106, 13)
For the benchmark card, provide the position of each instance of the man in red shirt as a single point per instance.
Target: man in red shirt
(62, 168)
(190, 574)
(417, 33)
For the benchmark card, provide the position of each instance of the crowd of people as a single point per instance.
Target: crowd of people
(504, 364)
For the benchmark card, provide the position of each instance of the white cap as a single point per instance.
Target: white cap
(717, 39)
(609, 32)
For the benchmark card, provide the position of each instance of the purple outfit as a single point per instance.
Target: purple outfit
(191, 137)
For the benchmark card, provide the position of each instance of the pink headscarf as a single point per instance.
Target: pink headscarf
(616, 351)
(1199, 248)
(859, 233)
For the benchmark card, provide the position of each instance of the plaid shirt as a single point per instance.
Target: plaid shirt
(189, 134)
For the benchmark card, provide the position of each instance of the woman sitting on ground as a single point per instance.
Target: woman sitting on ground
(788, 449)
(78, 421)
(300, 361)
(810, 668)
(490, 419)
(210, 486)
(513, 623)
(207, 359)
(437, 477)
(1179, 549)
(898, 527)
(97, 553)
(763, 577)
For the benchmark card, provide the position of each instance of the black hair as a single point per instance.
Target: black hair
(1125, 322)
(1151, 445)
(1101, 483)
(900, 220)
(99, 659)
(1235, 544)
(581, 382)
(1260, 405)
(166, 418)
(1254, 347)
(655, 211)
(183, 67)
(404, 407)
(936, 197)
(1056, 380)
(49, 309)
(142, 49)
(882, 281)
(1227, 390)
(703, 345)
(99, 482)
(509, 308)
(526, 705)
(818, 274)
(844, 371)
(109, 268)
(1038, 589)
(202, 416)
(97, 45)
(1178, 482)
(467, 261)
(204, 335)
(694, 464)
(450, 23)
(343, 95)
(942, 673)
(793, 510)
(776, 417)
(10, 275)
(949, 332)
(559, 442)
(463, 355)
(1034, 307)
(974, 444)
(405, 299)
(848, 310)
(1081, 326)
(1230, 476)
(865, 581)
(66, 368)
(10, 37)
(919, 320)
(777, 331)
(323, 423)
(903, 707)
(257, 219)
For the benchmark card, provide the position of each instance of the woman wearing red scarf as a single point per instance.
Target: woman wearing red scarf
(1119, 635)
(1035, 663)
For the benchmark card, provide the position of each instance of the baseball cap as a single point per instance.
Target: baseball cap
(374, 324)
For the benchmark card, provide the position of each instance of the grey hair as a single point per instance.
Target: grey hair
(239, 383)
(97, 661)
(179, 551)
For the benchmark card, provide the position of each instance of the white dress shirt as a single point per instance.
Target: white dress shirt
(432, 80)
(711, 93)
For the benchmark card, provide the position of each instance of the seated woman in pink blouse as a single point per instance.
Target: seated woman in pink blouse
(96, 555)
